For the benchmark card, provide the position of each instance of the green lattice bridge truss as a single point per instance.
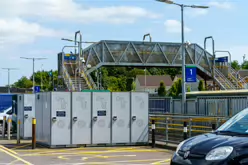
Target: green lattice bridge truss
(147, 54)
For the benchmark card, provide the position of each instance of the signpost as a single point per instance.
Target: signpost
(191, 75)
(37, 89)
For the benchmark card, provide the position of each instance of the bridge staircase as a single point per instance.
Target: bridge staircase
(73, 80)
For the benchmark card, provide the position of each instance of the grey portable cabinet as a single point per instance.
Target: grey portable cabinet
(25, 113)
(54, 119)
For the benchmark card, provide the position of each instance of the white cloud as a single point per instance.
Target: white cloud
(17, 31)
(68, 10)
(174, 26)
(221, 5)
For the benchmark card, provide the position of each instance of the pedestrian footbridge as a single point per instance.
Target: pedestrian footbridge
(146, 54)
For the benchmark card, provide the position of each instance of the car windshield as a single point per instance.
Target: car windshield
(236, 124)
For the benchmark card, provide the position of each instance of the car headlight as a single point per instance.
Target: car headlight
(219, 153)
(179, 146)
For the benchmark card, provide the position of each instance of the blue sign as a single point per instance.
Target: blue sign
(37, 89)
(70, 57)
(222, 59)
(28, 108)
(191, 74)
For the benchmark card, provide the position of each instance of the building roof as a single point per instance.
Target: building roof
(13, 90)
(243, 73)
(154, 80)
(180, 76)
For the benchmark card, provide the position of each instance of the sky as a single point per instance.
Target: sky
(34, 28)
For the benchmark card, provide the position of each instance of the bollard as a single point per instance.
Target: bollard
(4, 127)
(190, 127)
(167, 130)
(18, 131)
(33, 133)
(213, 127)
(8, 129)
(153, 133)
(185, 130)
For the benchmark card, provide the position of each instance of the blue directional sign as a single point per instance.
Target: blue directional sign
(222, 59)
(37, 89)
(190, 74)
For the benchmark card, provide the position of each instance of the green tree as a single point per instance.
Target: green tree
(235, 65)
(133, 88)
(23, 82)
(162, 89)
(176, 88)
(244, 65)
(188, 89)
(201, 86)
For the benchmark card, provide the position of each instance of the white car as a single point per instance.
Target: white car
(8, 113)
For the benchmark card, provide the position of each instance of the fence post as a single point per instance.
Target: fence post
(4, 127)
(167, 130)
(213, 127)
(153, 133)
(18, 131)
(8, 129)
(185, 130)
(190, 127)
(33, 133)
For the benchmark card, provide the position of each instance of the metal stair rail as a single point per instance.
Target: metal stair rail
(240, 81)
(89, 81)
(223, 80)
(68, 80)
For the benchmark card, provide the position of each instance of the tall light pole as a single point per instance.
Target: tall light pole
(41, 74)
(33, 59)
(182, 6)
(9, 76)
(150, 39)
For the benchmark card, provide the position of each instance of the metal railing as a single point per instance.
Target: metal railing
(90, 82)
(223, 80)
(67, 79)
(234, 74)
(170, 128)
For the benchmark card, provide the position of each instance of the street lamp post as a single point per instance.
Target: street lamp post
(182, 6)
(150, 39)
(33, 59)
(9, 76)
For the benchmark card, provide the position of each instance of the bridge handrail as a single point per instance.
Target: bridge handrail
(66, 76)
(224, 78)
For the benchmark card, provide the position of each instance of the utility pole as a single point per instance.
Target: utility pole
(182, 6)
(33, 59)
(9, 76)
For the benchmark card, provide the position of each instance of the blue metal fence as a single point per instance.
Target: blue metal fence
(201, 106)
(160, 105)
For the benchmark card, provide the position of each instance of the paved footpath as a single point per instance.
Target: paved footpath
(23, 154)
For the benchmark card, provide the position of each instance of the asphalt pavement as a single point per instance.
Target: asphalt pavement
(13, 154)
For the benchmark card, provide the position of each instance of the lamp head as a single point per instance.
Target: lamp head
(200, 7)
(166, 1)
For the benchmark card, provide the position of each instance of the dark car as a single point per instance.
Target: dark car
(228, 145)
